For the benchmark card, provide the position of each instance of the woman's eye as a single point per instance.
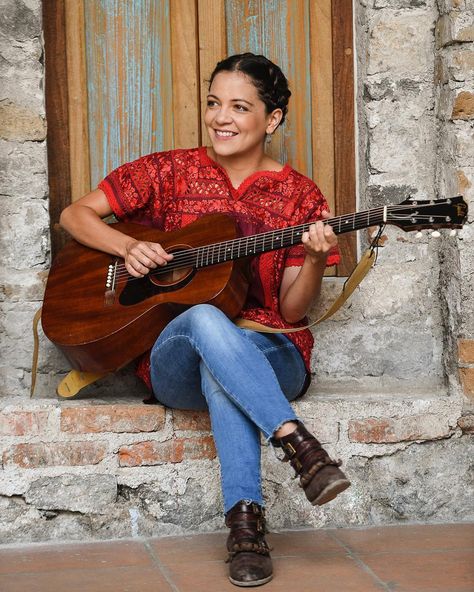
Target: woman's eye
(211, 103)
(241, 108)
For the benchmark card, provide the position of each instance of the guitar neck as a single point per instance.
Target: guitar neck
(256, 244)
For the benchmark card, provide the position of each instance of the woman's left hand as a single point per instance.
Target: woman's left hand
(319, 240)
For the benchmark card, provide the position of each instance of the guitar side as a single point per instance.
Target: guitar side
(93, 326)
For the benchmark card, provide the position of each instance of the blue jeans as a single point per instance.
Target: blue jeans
(246, 379)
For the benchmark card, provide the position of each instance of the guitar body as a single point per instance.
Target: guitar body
(101, 329)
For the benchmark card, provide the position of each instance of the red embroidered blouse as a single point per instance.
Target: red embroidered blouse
(169, 190)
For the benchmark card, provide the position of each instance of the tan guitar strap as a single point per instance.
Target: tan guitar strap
(75, 380)
(359, 273)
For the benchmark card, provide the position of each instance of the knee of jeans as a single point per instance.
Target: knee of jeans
(204, 316)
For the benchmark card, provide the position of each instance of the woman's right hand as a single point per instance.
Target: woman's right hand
(143, 256)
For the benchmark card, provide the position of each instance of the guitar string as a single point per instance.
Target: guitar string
(188, 258)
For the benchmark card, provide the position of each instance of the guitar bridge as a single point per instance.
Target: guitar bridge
(110, 283)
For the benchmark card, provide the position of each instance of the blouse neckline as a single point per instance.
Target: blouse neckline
(247, 182)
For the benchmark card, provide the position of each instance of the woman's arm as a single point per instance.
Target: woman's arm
(300, 286)
(83, 220)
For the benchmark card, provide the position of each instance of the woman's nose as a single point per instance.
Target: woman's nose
(222, 115)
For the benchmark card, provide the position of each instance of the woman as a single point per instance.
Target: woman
(201, 360)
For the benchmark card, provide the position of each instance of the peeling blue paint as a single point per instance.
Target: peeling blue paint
(128, 55)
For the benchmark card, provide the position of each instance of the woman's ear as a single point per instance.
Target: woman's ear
(274, 119)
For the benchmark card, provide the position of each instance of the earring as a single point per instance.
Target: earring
(268, 138)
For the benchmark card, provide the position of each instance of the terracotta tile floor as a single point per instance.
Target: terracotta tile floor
(410, 558)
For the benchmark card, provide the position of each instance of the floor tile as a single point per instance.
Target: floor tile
(190, 549)
(304, 542)
(123, 579)
(407, 537)
(434, 571)
(43, 557)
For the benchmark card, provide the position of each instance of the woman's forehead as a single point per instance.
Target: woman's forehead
(230, 82)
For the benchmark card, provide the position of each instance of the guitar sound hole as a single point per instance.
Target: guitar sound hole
(173, 277)
(160, 282)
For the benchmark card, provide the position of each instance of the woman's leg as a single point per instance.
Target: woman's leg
(181, 362)
(235, 362)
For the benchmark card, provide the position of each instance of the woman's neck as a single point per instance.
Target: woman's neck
(240, 167)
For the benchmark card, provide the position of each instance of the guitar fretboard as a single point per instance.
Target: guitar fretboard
(270, 241)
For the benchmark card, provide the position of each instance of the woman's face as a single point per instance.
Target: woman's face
(236, 117)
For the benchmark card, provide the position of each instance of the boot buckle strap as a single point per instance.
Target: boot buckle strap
(289, 449)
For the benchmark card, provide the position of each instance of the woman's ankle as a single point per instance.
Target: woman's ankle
(287, 428)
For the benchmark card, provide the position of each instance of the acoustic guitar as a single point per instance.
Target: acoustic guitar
(102, 318)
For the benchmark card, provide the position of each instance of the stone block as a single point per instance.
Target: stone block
(53, 454)
(21, 124)
(455, 27)
(459, 64)
(401, 4)
(429, 482)
(385, 430)
(23, 423)
(20, 22)
(411, 33)
(112, 418)
(20, 286)
(171, 451)
(22, 249)
(89, 493)
(466, 423)
(15, 159)
(463, 107)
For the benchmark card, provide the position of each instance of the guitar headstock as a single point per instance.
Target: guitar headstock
(433, 214)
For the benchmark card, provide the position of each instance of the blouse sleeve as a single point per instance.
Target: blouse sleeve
(309, 209)
(134, 190)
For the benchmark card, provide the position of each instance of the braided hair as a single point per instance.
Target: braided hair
(267, 77)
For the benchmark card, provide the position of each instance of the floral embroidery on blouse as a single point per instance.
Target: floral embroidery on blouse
(168, 190)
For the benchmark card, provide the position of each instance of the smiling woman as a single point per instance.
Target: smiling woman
(201, 359)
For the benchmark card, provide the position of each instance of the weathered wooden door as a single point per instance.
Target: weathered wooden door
(137, 74)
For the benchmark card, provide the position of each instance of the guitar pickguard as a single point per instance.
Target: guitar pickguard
(139, 289)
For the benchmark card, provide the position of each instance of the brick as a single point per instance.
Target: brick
(387, 430)
(151, 453)
(466, 376)
(466, 423)
(466, 351)
(463, 107)
(50, 454)
(199, 448)
(171, 451)
(112, 418)
(196, 421)
(23, 423)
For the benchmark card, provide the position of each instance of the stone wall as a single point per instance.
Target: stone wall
(394, 370)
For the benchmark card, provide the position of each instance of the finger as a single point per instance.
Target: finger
(159, 254)
(326, 214)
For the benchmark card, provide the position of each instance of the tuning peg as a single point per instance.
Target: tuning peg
(419, 234)
(435, 234)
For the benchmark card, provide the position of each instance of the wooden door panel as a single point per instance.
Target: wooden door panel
(129, 81)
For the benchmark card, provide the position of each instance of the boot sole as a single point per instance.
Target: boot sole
(251, 584)
(331, 491)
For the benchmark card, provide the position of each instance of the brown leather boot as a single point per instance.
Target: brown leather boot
(249, 554)
(320, 476)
